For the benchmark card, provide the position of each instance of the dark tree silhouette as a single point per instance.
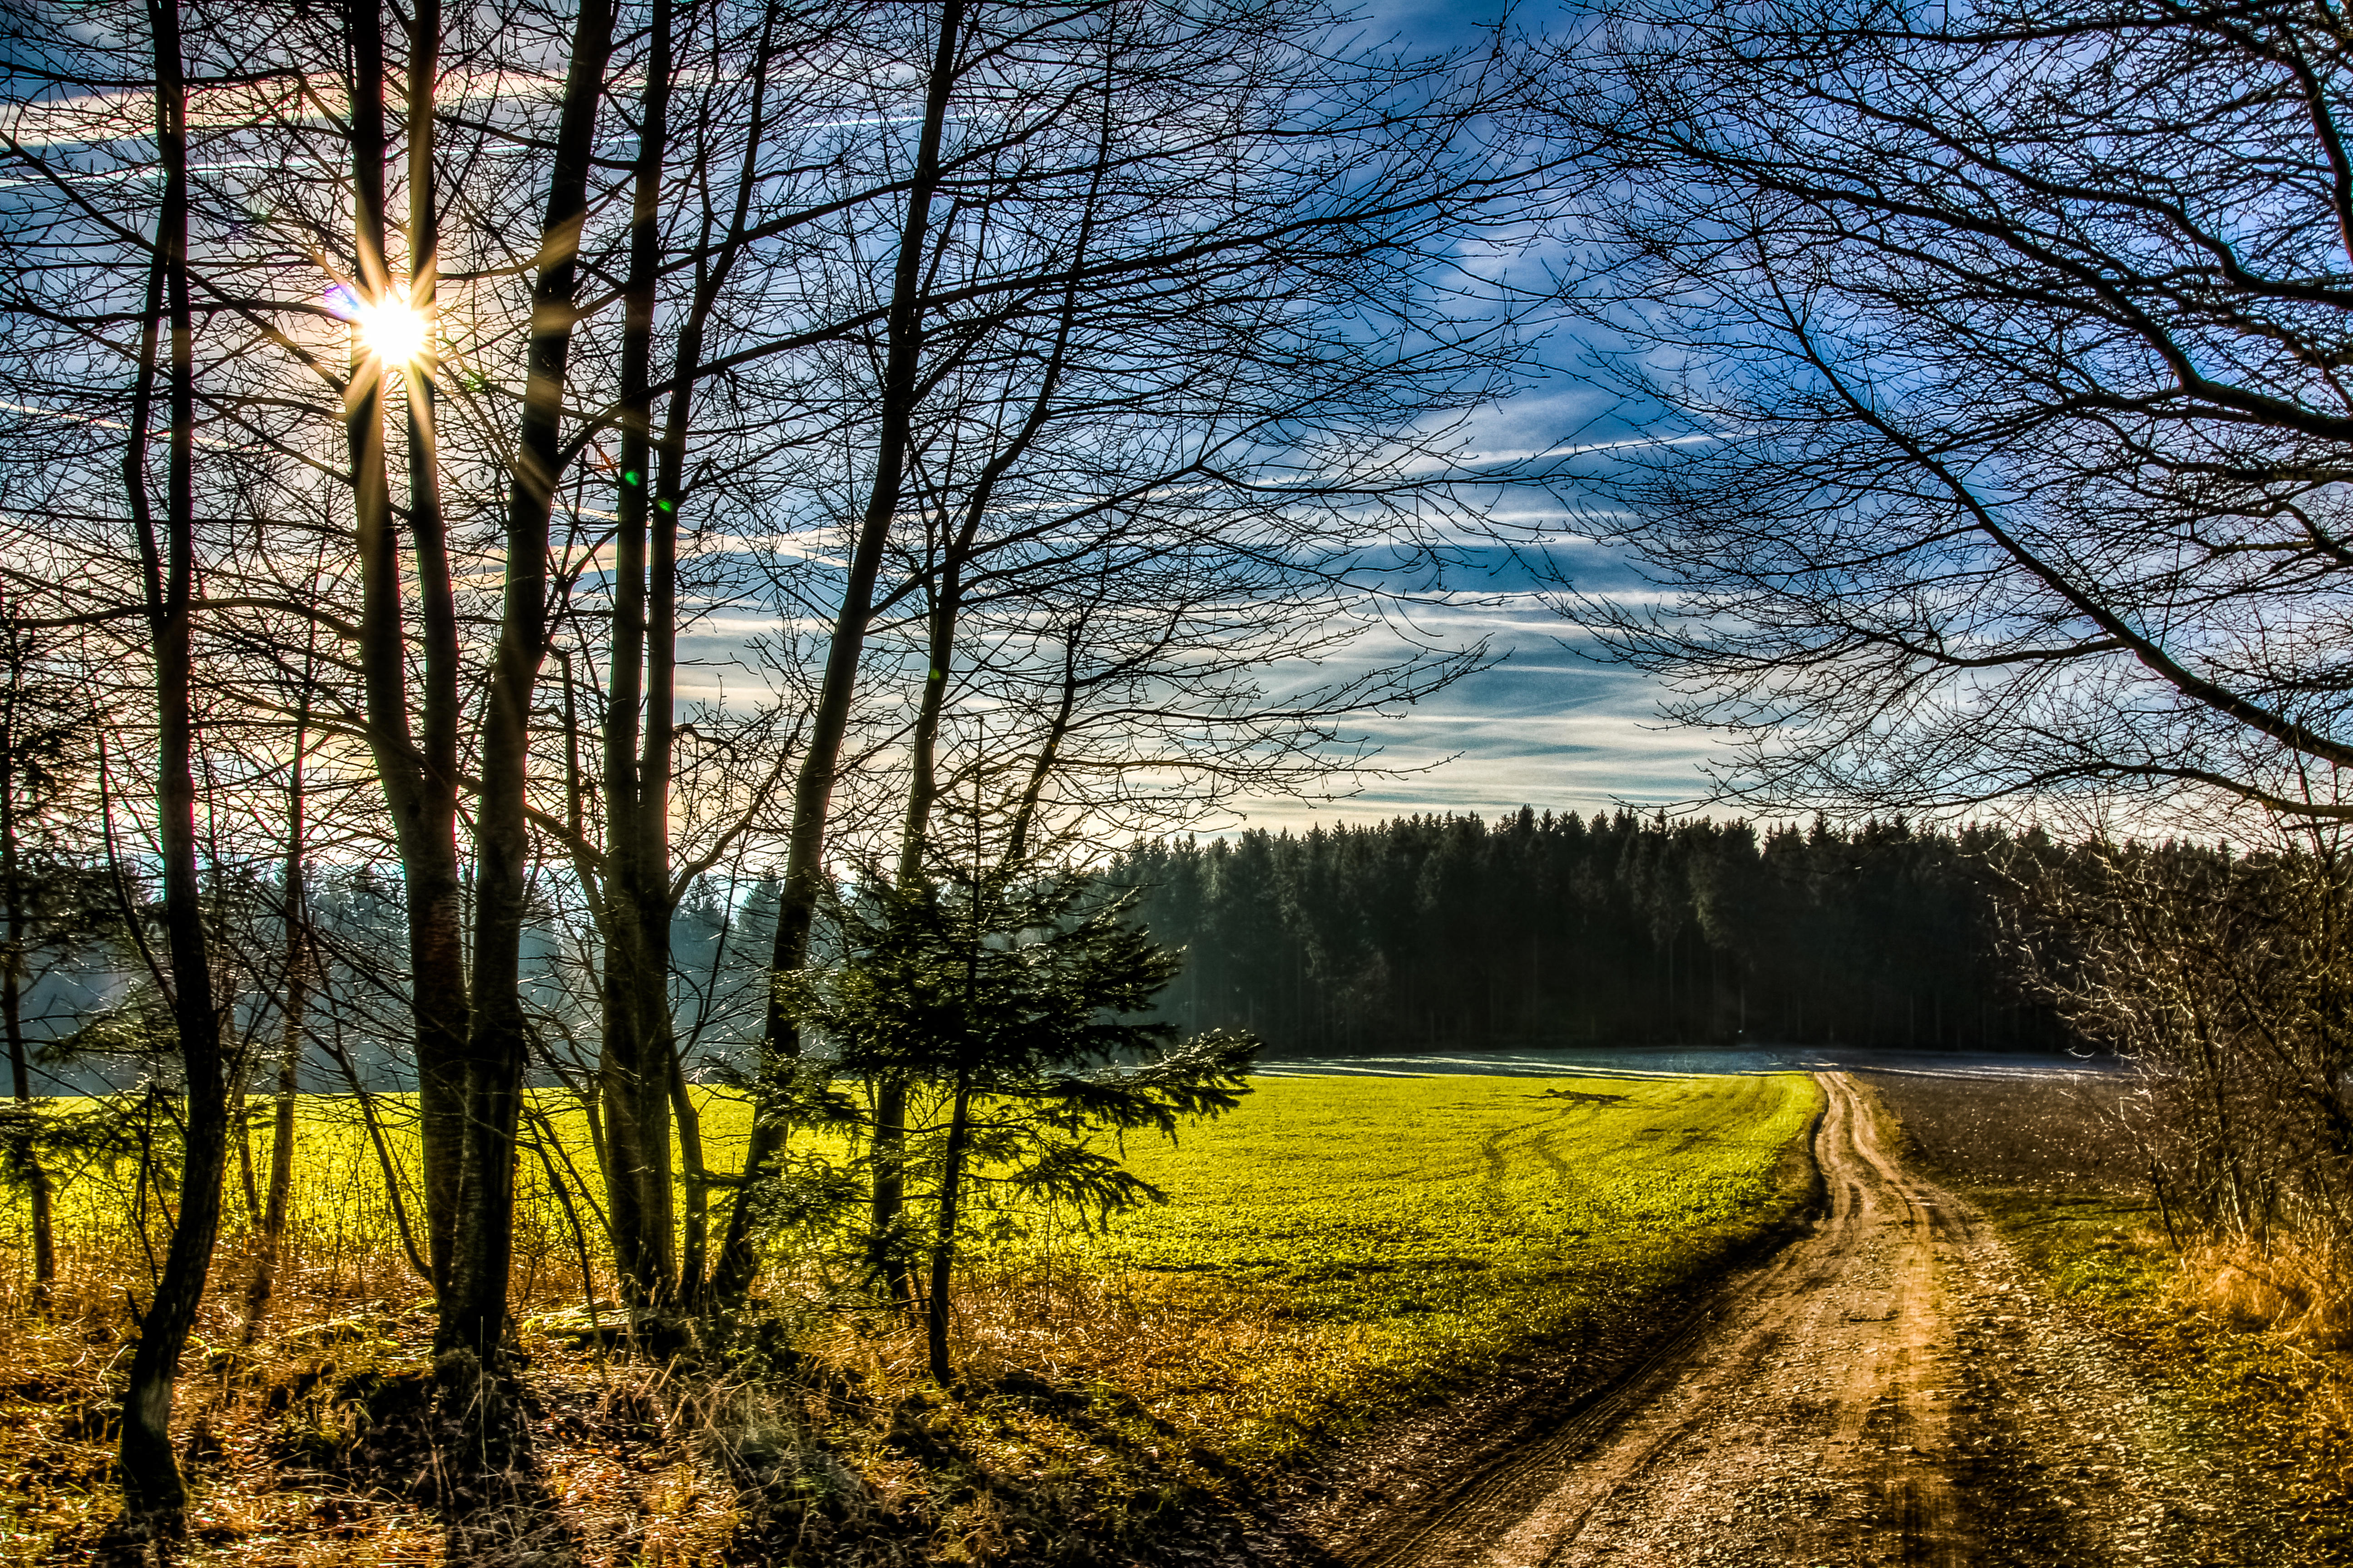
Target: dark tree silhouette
(1432, 933)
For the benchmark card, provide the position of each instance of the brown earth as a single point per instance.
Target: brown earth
(1890, 1387)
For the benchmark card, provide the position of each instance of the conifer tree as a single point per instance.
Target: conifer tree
(1005, 991)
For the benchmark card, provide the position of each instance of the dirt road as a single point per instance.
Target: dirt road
(1888, 1388)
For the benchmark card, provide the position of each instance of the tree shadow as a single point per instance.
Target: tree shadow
(1578, 1096)
(496, 1508)
(455, 1439)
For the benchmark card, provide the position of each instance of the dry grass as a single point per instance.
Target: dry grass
(1085, 1397)
(289, 1442)
(2284, 1286)
(2252, 1340)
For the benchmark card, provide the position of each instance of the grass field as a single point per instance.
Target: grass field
(1335, 1252)
(1342, 1247)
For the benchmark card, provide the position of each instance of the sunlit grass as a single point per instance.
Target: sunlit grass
(1342, 1247)
(1333, 1253)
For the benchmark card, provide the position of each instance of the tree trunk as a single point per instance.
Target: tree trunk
(636, 1064)
(289, 1041)
(943, 1241)
(154, 1497)
(887, 1148)
(474, 1312)
(654, 770)
(427, 830)
(419, 784)
(12, 988)
(813, 789)
(45, 1254)
(694, 1242)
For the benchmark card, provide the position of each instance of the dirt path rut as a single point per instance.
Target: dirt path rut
(1888, 1388)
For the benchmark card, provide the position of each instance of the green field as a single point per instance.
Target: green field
(1414, 1232)
(1366, 1178)
(1364, 1197)
(1337, 1250)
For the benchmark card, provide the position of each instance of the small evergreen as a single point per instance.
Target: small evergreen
(1012, 993)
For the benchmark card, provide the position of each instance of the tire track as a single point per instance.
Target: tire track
(1869, 1394)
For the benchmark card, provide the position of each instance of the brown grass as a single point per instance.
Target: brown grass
(1097, 1405)
(2283, 1285)
(2251, 1338)
(271, 1432)
(1084, 1397)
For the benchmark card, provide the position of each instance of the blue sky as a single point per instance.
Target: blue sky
(1546, 727)
(1543, 726)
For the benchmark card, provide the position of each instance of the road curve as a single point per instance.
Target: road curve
(1889, 1388)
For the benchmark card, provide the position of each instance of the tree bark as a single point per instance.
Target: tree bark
(420, 786)
(637, 1065)
(12, 983)
(427, 830)
(155, 1495)
(943, 1241)
(290, 1042)
(474, 1314)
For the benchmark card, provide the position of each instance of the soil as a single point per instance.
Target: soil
(1890, 1387)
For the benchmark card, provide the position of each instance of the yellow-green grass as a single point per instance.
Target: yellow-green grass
(1332, 1253)
(345, 1230)
(1417, 1231)
(1341, 1248)
(1362, 1179)
(1364, 1199)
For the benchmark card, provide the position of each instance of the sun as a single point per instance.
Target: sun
(391, 331)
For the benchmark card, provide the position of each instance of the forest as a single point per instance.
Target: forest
(1418, 934)
(1451, 933)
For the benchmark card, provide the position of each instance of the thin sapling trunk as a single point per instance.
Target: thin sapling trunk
(154, 1495)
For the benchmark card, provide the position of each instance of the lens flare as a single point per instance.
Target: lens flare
(393, 331)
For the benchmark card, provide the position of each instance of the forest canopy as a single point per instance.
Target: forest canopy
(1448, 932)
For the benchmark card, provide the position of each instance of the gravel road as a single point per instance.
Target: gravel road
(1888, 1388)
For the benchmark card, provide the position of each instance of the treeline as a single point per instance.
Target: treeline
(81, 1003)
(1437, 932)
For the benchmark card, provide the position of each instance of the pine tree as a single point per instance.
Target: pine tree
(1004, 992)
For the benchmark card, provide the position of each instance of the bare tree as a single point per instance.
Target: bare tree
(1991, 431)
(38, 720)
(1147, 320)
(2224, 977)
(1073, 350)
(155, 1495)
(298, 979)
